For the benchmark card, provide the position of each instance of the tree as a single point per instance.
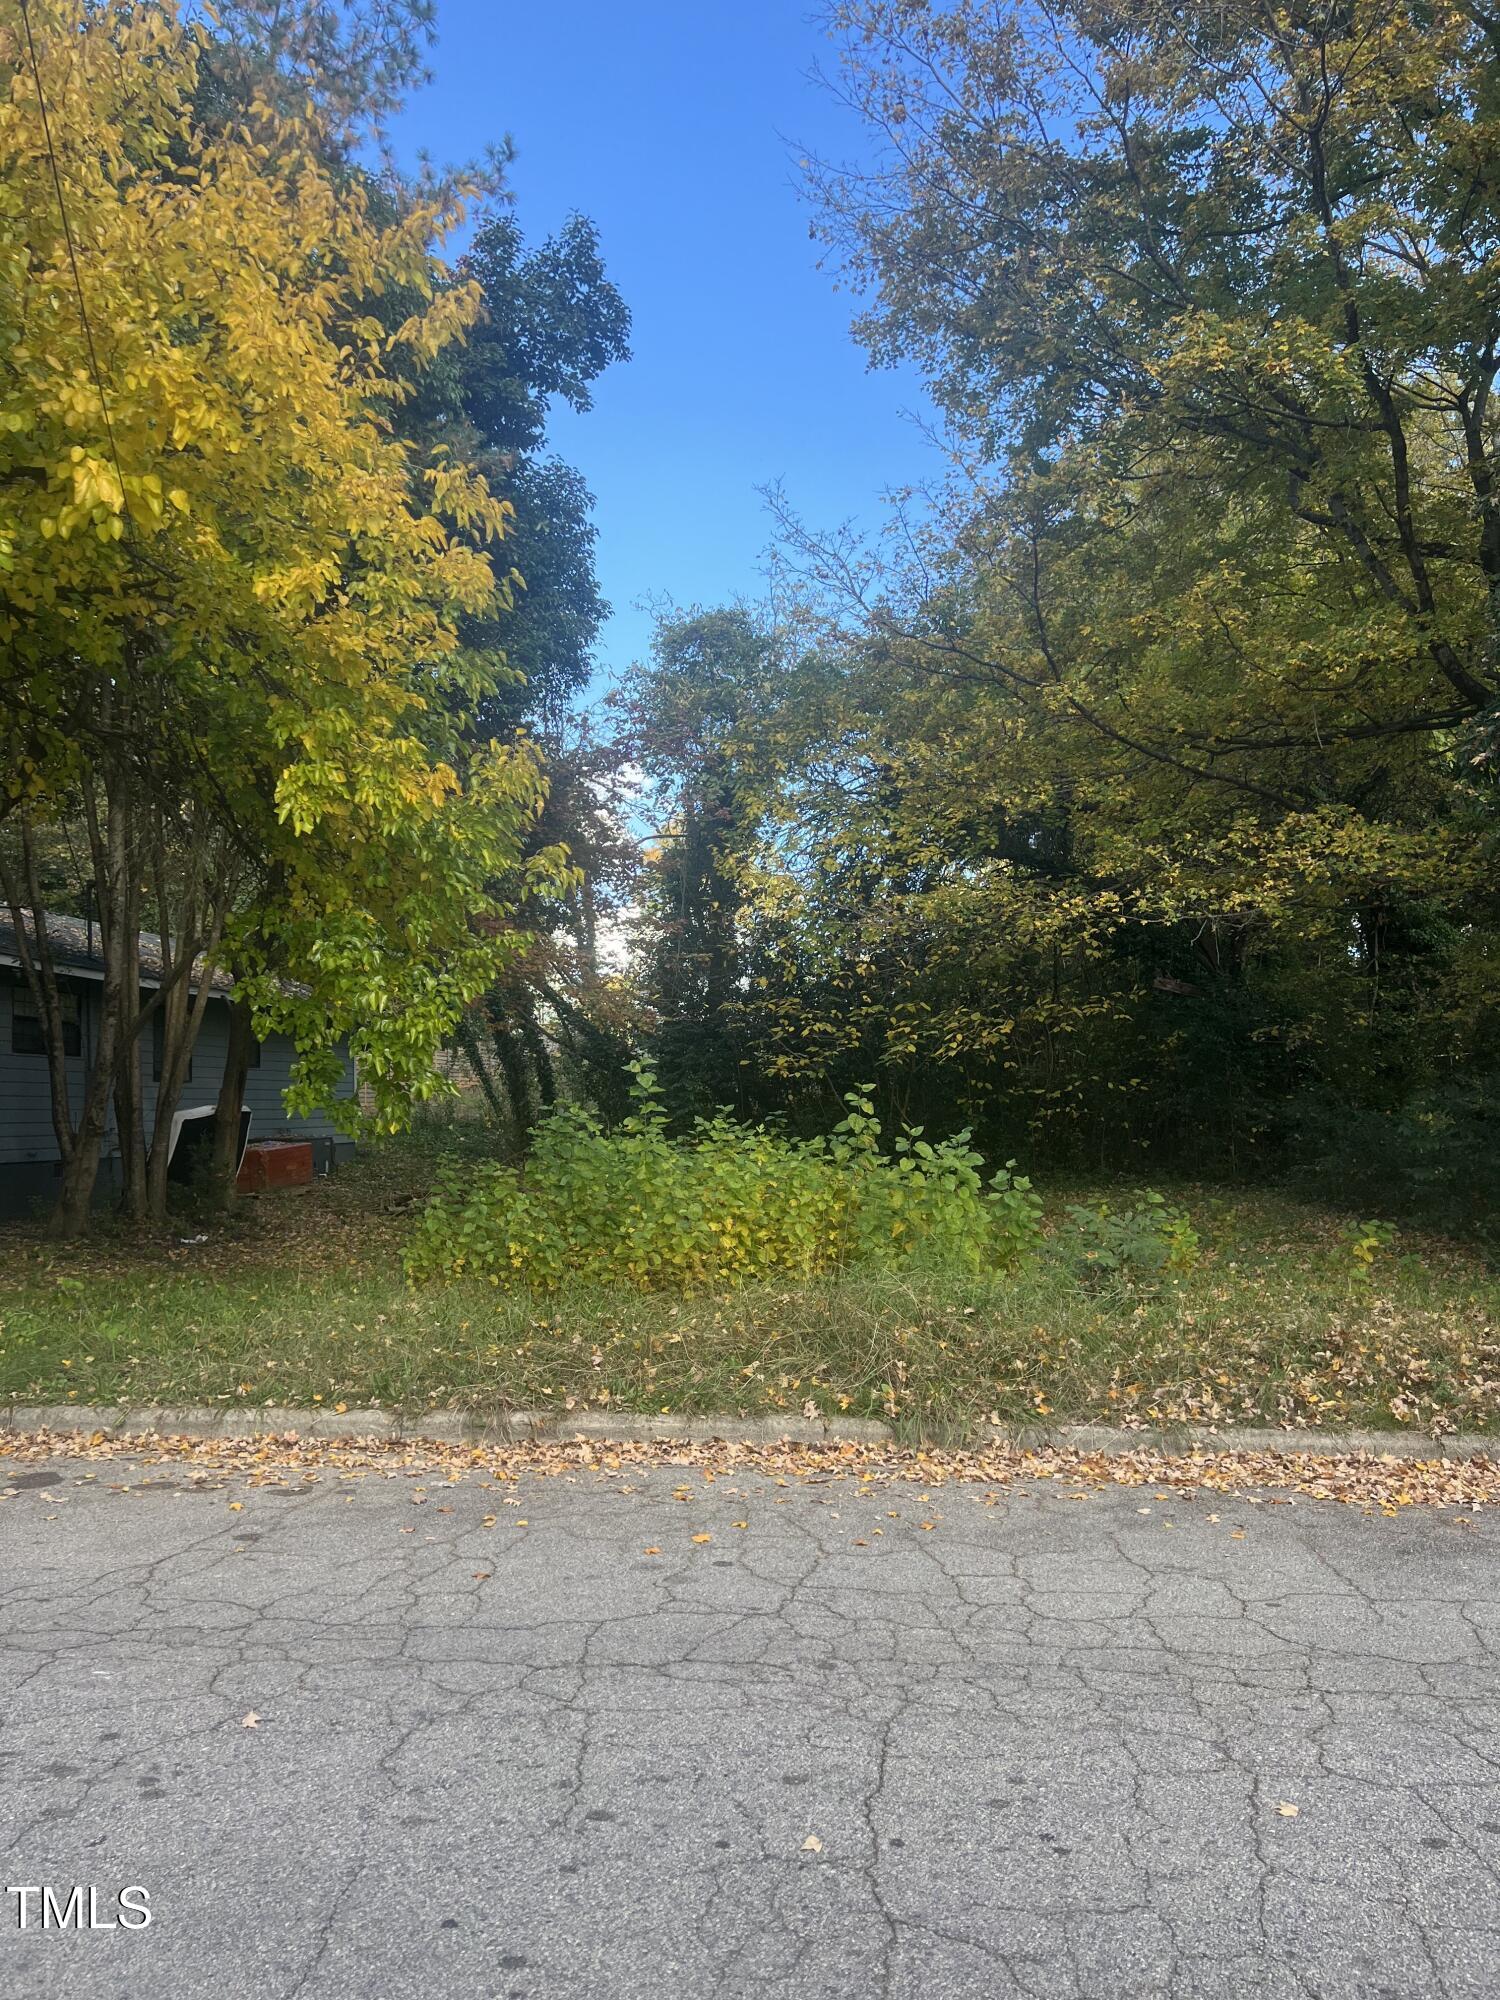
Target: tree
(550, 321)
(1239, 259)
(685, 711)
(232, 592)
(1175, 704)
(358, 59)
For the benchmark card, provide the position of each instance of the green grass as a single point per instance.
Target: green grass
(300, 1301)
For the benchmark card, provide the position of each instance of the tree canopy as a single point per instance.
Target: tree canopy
(1138, 790)
(233, 590)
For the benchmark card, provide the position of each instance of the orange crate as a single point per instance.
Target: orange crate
(275, 1163)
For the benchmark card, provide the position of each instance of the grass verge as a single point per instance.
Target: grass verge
(300, 1301)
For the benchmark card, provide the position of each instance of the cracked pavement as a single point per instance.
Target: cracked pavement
(1044, 1744)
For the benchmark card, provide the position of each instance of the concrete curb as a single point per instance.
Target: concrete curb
(437, 1427)
(1318, 1444)
(523, 1426)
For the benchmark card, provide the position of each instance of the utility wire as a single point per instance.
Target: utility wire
(83, 311)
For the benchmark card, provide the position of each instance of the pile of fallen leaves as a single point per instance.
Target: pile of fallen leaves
(1360, 1479)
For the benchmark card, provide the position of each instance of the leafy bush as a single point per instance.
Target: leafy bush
(729, 1203)
(1144, 1241)
(1366, 1241)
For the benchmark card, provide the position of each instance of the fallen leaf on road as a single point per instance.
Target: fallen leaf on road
(1352, 1478)
(236, 1506)
(483, 1575)
(812, 1845)
(1287, 1810)
(703, 1538)
(250, 1721)
(653, 1551)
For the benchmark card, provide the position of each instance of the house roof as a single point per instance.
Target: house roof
(76, 948)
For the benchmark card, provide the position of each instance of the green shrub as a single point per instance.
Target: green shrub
(1366, 1241)
(729, 1203)
(1144, 1241)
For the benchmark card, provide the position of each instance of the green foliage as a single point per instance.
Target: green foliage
(301, 1302)
(1150, 1240)
(1366, 1242)
(1140, 799)
(730, 1203)
(234, 612)
(550, 322)
(357, 58)
(683, 709)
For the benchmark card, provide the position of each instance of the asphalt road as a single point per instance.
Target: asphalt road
(353, 1745)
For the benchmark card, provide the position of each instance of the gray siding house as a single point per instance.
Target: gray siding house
(30, 1166)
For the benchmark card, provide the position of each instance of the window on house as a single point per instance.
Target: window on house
(28, 1031)
(159, 1048)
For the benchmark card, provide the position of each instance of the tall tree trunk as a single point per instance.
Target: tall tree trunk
(187, 950)
(176, 1057)
(226, 1145)
(129, 1103)
(130, 1124)
(121, 974)
(185, 1009)
(159, 1156)
(75, 1195)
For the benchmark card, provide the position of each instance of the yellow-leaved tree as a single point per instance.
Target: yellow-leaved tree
(230, 592)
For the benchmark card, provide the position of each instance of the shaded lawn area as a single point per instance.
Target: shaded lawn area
(300, 1300)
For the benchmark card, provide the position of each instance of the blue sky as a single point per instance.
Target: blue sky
(675, 125)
